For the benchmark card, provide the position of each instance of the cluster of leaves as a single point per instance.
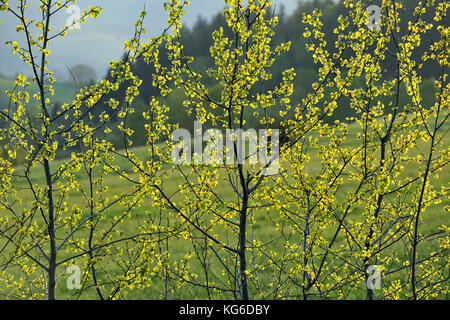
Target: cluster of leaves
(41, 230)
(197, 42)
(362, 205)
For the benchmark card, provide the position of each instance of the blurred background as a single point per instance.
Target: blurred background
(88, 50)
(99, 41)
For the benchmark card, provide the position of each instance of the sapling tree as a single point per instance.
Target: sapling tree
(352, 197)
(42, 231)
(349, 196)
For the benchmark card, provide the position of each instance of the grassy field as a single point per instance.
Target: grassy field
(434, 216)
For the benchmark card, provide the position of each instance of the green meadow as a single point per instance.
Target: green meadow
(434, 217)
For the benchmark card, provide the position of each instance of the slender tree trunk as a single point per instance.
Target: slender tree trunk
(305, 248)
(370, 294)
(420, 202)
(51, 232)
(242, 247)
(48, 176)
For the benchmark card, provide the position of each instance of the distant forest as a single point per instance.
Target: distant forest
(197, 41)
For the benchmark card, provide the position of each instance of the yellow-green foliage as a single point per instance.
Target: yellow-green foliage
(349, 195)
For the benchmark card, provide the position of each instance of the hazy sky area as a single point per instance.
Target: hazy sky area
(99, 41)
